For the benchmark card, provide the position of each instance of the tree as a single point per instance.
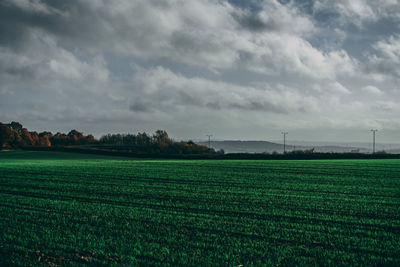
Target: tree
(16, 126)
(35, 138)
(161, 136)
(89, 139)
(75, 137)
(59, 139)
(45, 141)
(26, 136)
(190, 142)
(158, 143)
(143, 139)
(15, 135)
(49, 134)
(5, 135)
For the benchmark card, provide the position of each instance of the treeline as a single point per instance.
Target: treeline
(14, 135)
(158, 143)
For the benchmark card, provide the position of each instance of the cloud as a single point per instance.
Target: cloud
(386, 106)
(372, 90)
(197, 33)
(358, 12)
(390, 49)
(33, 6)
(44, 63)
(44, 82)
(168, 91)
(272, 16)
(213, 63)
(140, 106)
(386, 60)
(331, 88)
(339, 88)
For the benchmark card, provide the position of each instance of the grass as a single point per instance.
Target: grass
(72, 209)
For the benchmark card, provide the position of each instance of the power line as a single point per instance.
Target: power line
(284, 142)
(373, 140)
(209, 140)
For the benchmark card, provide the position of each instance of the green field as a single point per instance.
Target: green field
(71, 209)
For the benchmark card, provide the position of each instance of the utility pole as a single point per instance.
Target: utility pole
(209, 140)
(284, 142)
(373, 140)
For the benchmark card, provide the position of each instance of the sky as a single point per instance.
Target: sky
(241, 69)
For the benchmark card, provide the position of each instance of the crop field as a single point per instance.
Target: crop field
(72, 209)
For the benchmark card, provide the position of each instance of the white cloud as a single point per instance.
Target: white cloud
(359, 11)
(386, 61)
(339, 88)
(44, 82)
(390, 49)
(386, 106)
(161, 89)
(274, 16)
(177, 97)
(326, 88)
(209, 34)
(372, 90)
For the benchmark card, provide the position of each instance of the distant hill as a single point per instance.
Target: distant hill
(394, 151)
(237, 146)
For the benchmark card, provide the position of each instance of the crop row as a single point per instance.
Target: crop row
(199, 212)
